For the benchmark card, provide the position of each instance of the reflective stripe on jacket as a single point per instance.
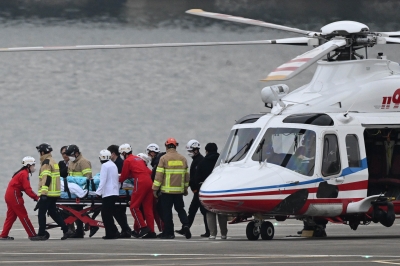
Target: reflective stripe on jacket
(172, 173)
(80, 167)
(49, 177)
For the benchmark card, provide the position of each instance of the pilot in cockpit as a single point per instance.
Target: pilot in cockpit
(303, 158)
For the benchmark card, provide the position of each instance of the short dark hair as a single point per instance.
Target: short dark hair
(211, 147)
(63, 147)
(113, 149)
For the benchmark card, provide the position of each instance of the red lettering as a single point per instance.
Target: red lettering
(396, 96)
(384, 100)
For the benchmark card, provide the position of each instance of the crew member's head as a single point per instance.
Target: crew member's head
(171, 143)
(193, 147)
(125, 150)
(211, 148)
(104, 156)
(44, 148)
(114, 150)
(72, 152)
(152, 150)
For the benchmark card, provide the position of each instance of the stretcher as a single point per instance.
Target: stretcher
(89, 204)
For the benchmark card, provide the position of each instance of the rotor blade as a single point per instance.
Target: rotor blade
(388, 40)
(200, 12)
(390, 34)
(288, 41)
(302, 62)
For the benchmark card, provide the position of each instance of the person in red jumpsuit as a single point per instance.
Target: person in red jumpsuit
(142, 194)
(15, 203)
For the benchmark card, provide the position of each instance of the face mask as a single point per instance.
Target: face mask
(191, 154)
(32, 169)
(71, 158)
(122, 157)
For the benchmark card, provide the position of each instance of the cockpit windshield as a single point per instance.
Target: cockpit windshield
(238, 144)
(292, 148)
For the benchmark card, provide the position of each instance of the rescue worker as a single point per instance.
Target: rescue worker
(109, 191)
(204, 169)
(49, 191)
(15, 203)
(78, 166)
(153, 150)
(193, 149)
(142, 194)
(172, 179)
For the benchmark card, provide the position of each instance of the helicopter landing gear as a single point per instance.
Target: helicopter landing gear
(253, 230)
(267, 230)
(258, 227)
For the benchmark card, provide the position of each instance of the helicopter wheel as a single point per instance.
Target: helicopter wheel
(47, 235)
(252, 231)
(267, 230)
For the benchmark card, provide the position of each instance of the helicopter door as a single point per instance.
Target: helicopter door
(330, 166)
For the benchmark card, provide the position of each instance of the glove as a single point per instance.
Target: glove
(185, 192)
(43, 198)
(155, 194)
(36, 207)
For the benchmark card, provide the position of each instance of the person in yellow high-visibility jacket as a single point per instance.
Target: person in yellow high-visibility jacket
(172, 180)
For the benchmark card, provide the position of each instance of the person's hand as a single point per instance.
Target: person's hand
(155, 194)
(185, 192)
(43, 197)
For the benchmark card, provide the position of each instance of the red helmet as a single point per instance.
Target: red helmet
(171, 141)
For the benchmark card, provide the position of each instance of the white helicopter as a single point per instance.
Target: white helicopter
(328, 151)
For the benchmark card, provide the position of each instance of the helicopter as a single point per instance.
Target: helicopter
(328, 151)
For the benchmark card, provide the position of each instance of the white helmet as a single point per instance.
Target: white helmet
(28, 160)
(153, 147)
(145, 158)
(125, 148)
(105, 155)
(192, 144)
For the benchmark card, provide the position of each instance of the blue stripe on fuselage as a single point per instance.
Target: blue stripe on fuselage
(345, 172)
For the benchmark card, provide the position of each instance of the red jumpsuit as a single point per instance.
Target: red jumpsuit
(15, 203)
(142, 194)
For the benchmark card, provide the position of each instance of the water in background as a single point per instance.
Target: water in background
(97, 98)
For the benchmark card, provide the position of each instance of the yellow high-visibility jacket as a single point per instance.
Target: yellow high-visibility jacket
(49, 177)
(172, 173)
(80, 167)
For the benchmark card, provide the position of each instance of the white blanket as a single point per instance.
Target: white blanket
(75, 189)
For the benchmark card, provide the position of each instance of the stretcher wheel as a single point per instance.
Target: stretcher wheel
(47, 234)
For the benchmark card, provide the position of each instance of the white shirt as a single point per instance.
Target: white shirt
(109, 185)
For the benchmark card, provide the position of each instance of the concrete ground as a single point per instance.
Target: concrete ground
(369, 245)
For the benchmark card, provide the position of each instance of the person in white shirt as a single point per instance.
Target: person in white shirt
(109, 191)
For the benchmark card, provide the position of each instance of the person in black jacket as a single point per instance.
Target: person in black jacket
(193, 148)
(204, 169)
(64, 163)
(153, 150)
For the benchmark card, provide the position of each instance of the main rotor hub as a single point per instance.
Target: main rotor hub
(344, 28)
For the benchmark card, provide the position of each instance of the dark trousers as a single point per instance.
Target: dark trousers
(120, 216)
(49, 206)
(79, 223)
(107, 214)
(194, 206)
(167, 201)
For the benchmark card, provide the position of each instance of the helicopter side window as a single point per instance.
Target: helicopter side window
(353, 151)
(331, 157)
(292, 148)
(238, 144)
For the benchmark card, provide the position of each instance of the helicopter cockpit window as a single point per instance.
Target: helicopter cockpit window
(292, 148)
(238, 144)
(330, 156)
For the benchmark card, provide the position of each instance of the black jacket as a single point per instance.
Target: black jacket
(119, 163)
(193, 168)
(205, 167)
(154, 164)
(63, 168)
